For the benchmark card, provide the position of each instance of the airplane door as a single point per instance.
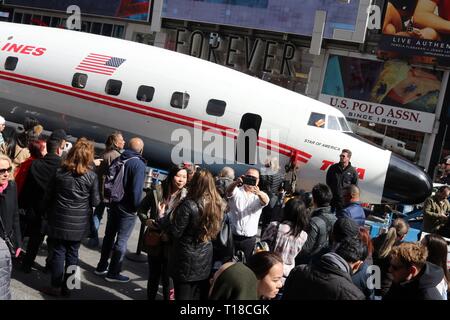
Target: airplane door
(247, 140)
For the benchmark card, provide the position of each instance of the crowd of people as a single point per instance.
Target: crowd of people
(284, 244)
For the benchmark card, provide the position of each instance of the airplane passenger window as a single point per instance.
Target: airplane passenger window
(317, 120)
(113, 87)
(333, 124)
(145, 93)
(11, 63)
(344, 124)
(179, 100)
(216, 107)
(79, 80)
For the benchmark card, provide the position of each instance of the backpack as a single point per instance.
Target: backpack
(114, 188)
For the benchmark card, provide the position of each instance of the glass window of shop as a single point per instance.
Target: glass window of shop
(106, 29)
(279, 62)
(404, 142)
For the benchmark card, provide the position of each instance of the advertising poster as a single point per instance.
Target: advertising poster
(418, 30)
(125, 9)
(287, 16)
(391, 93)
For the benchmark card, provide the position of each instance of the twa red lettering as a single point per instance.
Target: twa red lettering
(23, 49)
(326, 164)
(361, 173)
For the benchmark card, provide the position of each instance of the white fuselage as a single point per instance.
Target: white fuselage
(43, 81)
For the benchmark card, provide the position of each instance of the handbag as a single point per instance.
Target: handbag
(152, 241)
(152, 237)
(8, 241)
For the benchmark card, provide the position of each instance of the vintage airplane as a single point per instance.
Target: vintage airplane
(90, 85)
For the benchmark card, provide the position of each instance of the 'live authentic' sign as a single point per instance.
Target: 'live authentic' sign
(417, 47)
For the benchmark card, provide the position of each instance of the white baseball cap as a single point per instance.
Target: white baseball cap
(2, 120)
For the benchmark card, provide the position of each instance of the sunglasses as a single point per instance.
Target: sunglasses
(7, 170)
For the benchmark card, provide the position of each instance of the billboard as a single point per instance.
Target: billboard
(418, 30)
(125, 9)
(390, 93)
(286, 16)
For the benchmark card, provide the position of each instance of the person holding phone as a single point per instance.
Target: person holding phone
(246, 202)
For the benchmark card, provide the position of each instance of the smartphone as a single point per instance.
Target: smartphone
(249, 180)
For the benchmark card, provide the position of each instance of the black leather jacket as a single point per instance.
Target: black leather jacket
(10, 215)
(190, 259)
(71, 198)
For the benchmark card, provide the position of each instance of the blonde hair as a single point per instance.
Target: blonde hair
(11, 164)
(398, 229)
(80, 157)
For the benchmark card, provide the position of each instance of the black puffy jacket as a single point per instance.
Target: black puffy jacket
(324, 279)
(71, 198)
(190, 259)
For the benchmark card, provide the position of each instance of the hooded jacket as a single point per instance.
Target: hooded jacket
(354, 211)
(321, 224)
(425, 286)
(133, 180)
(237, 282)
(326, 279)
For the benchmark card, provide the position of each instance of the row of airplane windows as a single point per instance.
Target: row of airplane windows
(180, 100)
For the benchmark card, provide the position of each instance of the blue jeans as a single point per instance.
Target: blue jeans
(63, 251)
(120, 223)
(96, 218)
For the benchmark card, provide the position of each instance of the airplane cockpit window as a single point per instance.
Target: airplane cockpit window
(344, 124)
(179, 100)
(79, 80)
(11, 63)
(113, 87)
(333, 123)
(145, 93)
(216, 107)
(317, 120)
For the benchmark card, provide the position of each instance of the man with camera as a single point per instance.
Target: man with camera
(245, 202)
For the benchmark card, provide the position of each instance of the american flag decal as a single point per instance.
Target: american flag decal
(98, 63)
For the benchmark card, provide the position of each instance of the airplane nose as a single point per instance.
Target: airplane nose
(405, 182)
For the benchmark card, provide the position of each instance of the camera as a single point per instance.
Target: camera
(249, 180)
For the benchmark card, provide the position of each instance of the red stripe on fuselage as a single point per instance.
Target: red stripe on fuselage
(146, 110)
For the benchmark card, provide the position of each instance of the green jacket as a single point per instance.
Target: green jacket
(435, 214)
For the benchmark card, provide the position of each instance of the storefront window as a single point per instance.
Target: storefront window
(403, 142)
(278, 62)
